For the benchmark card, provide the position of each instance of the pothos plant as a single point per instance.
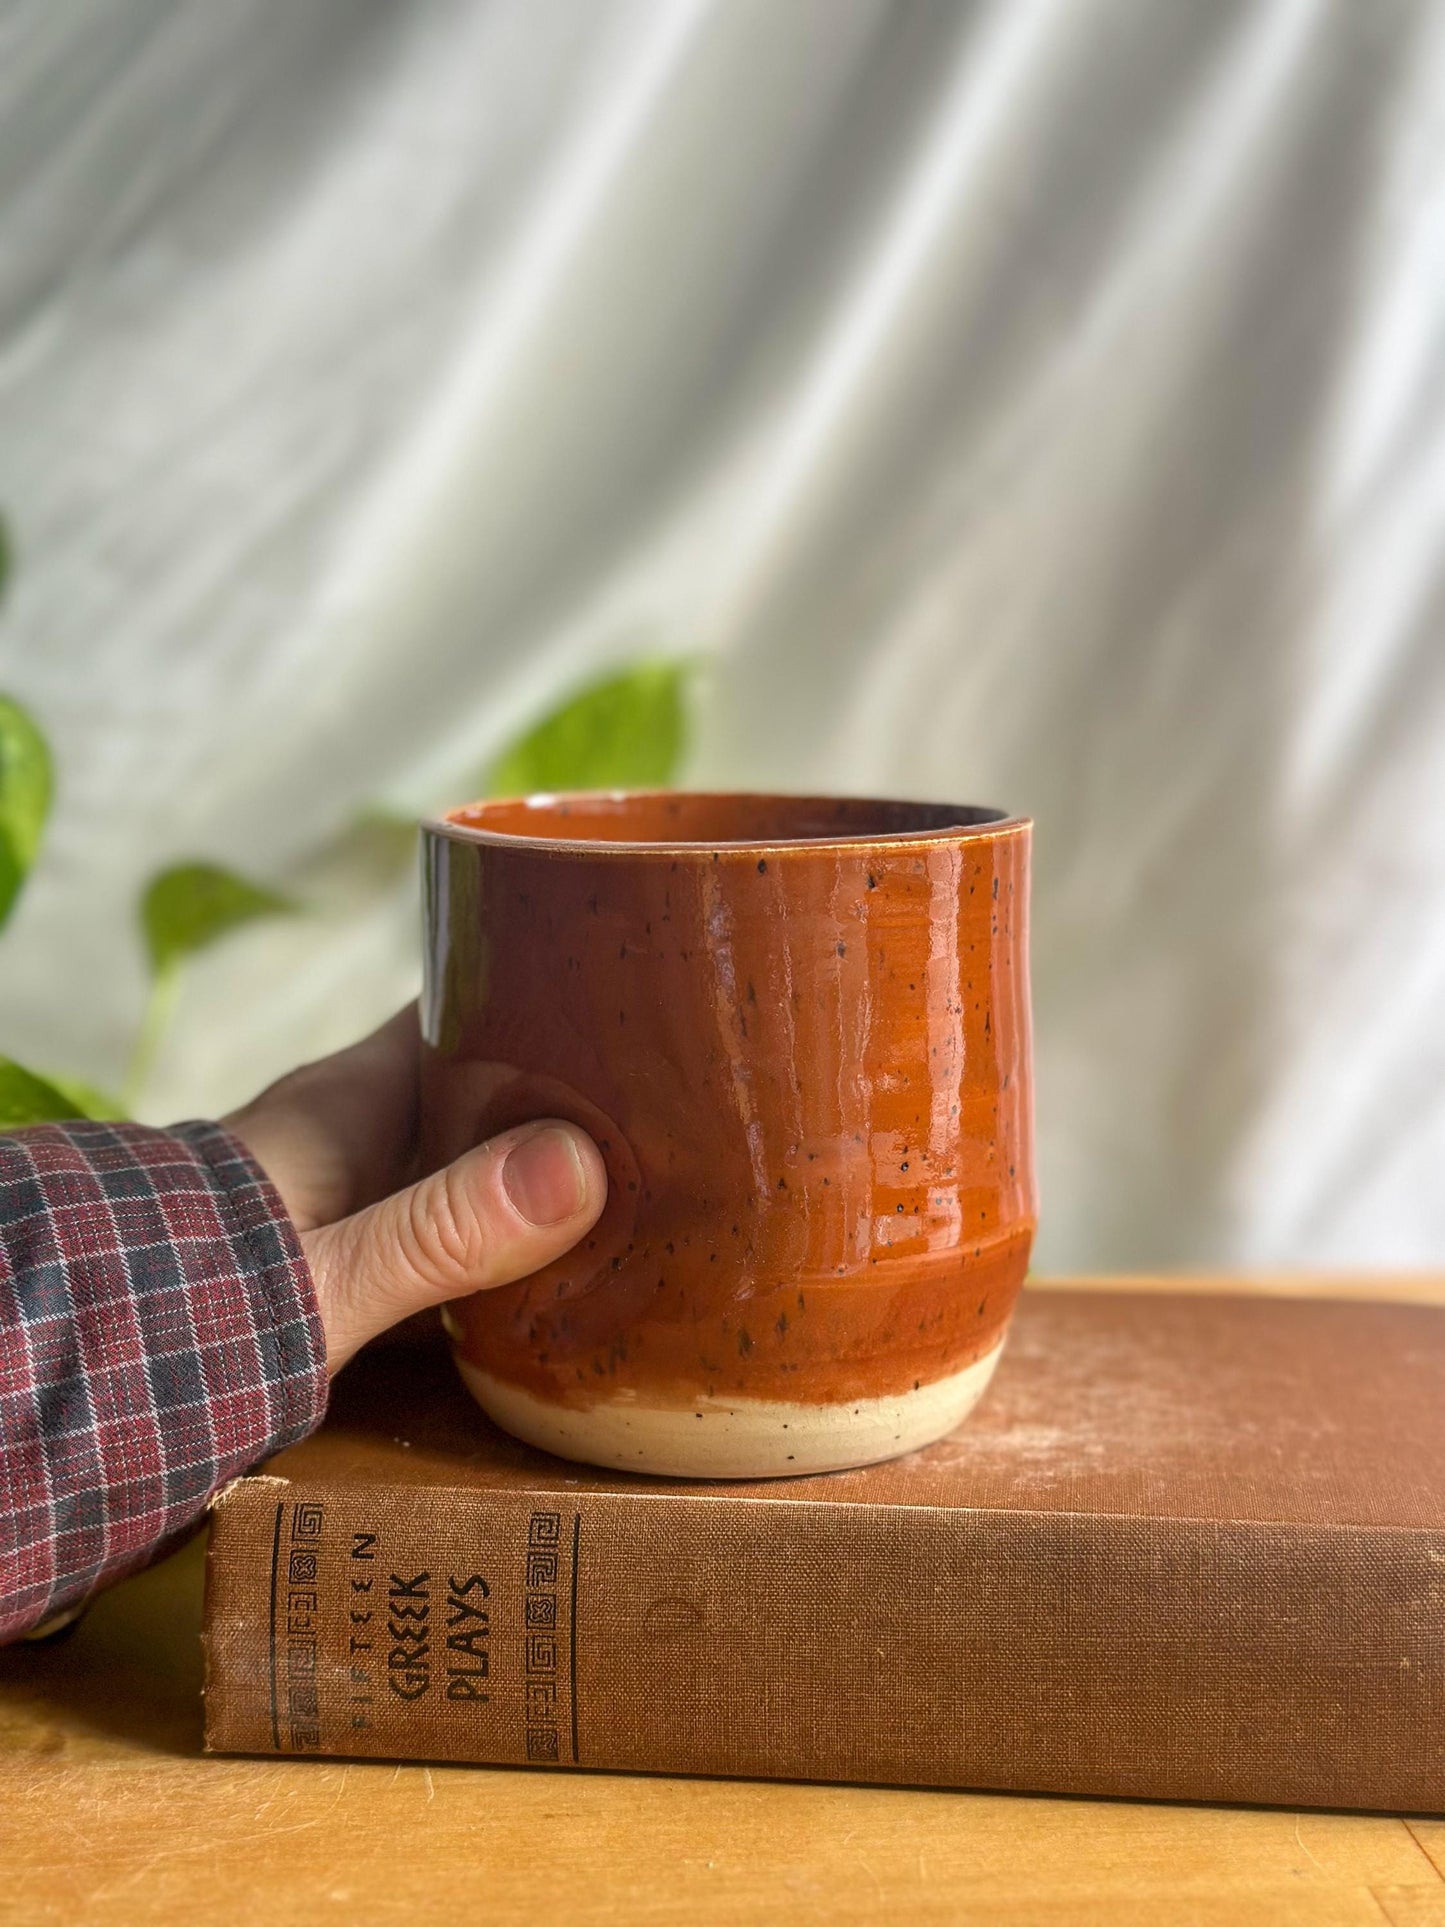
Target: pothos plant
(628, 729)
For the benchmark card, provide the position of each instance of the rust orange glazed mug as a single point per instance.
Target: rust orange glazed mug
(798, 1028)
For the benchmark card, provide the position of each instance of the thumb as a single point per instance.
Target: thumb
(503, 1210)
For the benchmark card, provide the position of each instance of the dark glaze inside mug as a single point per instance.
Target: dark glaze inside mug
(714, 819)
(799, 1029)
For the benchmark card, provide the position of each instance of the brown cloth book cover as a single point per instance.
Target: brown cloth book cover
(1189, 1547)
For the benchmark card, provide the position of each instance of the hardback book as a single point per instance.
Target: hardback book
(1190, 1546)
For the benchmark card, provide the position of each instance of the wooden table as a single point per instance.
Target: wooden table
(108, 1813)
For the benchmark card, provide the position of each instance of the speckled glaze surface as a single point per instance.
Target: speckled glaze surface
(799, 1030)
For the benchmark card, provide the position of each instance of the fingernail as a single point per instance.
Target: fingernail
(545, 1177)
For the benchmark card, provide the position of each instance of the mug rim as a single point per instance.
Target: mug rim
(446, 825)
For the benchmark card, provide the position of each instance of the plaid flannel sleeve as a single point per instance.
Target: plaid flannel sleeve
(158, 1335)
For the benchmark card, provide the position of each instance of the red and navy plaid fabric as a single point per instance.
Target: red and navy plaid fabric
(158, 1335)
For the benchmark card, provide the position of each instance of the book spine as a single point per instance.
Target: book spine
(906, 1645)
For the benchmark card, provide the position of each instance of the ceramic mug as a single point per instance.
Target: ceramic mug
(798, 1029)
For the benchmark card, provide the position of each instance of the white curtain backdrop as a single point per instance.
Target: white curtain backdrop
(1039, 403)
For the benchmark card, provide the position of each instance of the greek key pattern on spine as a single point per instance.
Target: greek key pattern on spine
(544, 1537)
(302, 1624)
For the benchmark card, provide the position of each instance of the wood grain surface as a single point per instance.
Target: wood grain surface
(109, 1813)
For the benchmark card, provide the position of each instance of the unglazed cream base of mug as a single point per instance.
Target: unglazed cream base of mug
(744, 1439)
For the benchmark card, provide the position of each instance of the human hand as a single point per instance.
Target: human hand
(338, 1139)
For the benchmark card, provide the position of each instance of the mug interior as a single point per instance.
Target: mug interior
(680, 818)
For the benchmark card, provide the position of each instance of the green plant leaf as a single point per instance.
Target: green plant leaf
(628, 731)
(385, 821)
(85, 1100)
(186, 908)
(28, 1099)
(382, 837)
(26, 784)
